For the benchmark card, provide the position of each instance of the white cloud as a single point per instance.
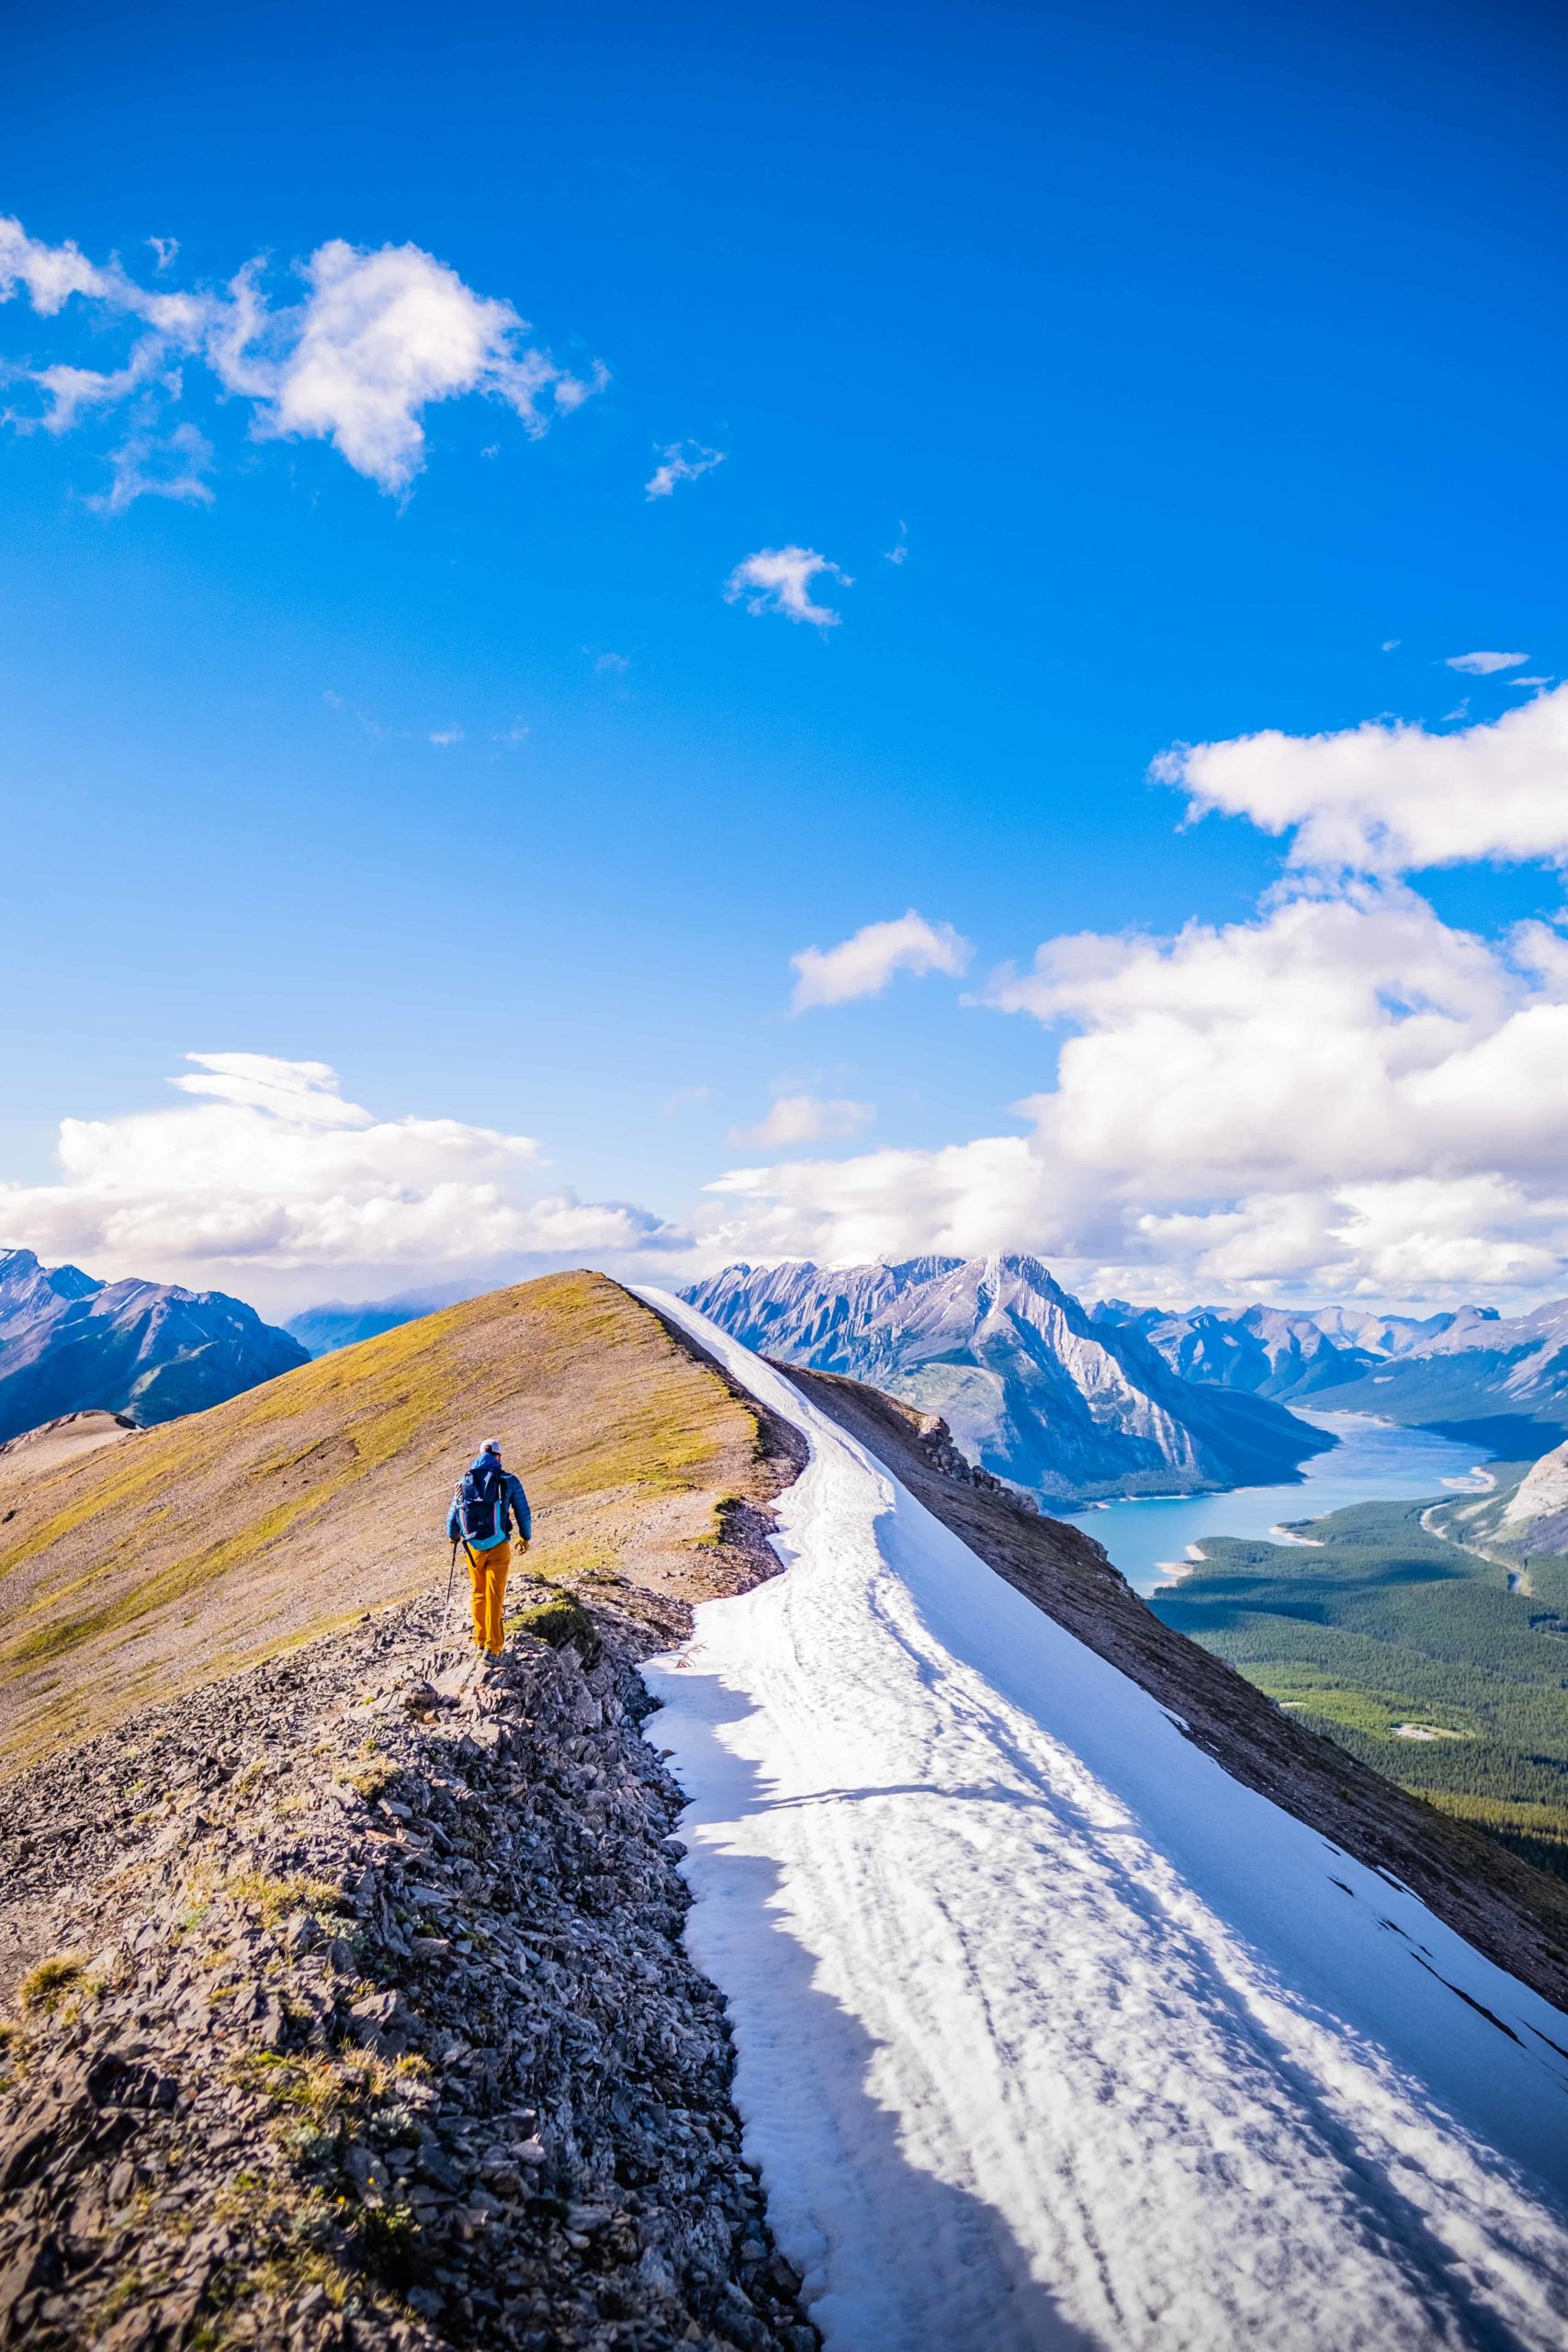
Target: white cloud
(778, 580)
(268, 1171)
(165, 250)
(1385, 799)
(898, 554)
(683, 461)
(446, 735)
(1344, 1096)
(1392, 644)
(150, 464)
(1482, 665)
(378, 338)
(865, 963)
(805, 1118)
(50, 274)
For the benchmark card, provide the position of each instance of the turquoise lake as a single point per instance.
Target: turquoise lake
(1374, 1461)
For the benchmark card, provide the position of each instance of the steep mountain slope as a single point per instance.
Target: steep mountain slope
(1522, 1518)
(188, 1551)
(68, 1344)
(1051, 2034)
(1029, 1382)
(1501, 1379)
(1263, 1349)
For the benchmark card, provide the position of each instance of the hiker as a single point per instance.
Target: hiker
(488, 1499)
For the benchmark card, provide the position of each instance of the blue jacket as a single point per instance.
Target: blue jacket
(513, 1507)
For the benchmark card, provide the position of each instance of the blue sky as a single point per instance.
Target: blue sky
(1186, 363)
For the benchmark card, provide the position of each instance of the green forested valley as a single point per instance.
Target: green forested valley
(1446, 1671)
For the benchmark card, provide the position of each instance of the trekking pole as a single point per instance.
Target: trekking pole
(447, 1606)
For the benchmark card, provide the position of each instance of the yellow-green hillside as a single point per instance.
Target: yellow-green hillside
(194, 1549)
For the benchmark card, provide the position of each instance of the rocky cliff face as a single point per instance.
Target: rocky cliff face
(68, 1344)
(1028, 1380)
(1535, 1518)
(1523, 1523)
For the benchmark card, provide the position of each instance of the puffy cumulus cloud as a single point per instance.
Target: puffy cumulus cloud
(1390, 798)
(778, 580)
(864, 964)
(1343, 1095)
(683, 461)
(964, 1200)
(805, 1118)
(380, 337)
(377, 338)
(266, 1171)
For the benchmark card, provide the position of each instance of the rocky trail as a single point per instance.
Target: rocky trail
(352, 2009)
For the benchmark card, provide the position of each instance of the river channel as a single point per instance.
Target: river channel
(1149, 1539)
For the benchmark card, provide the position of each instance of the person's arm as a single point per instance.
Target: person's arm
(453, 1525)
(519, 1502)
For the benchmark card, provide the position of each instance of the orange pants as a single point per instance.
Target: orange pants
(487, 1576)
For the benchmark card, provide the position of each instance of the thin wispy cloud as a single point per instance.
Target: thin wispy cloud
(375, 338)
(778, 580)
(683, 461)
(864, 964)
(899, 553)
(806, 1118)
(1483, 665)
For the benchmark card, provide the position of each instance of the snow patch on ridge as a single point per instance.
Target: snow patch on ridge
(1050, 2033)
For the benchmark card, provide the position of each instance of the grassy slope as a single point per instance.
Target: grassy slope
(196, 1548)
(1387, 1625)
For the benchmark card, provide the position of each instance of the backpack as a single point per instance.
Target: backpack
(481, 1504)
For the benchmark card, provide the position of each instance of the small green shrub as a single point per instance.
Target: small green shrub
(558, 1621)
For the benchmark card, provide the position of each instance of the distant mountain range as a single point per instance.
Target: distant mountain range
(68, 1344)
(1265, 1350)
(321, 1331)
(1076, 1402)
(1041, 1391)
(1501, 1381)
